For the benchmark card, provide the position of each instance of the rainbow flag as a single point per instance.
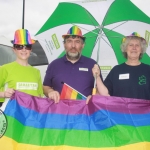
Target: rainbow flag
(106, 123)
(70, 93)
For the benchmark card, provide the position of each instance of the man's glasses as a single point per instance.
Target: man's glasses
(20, 47)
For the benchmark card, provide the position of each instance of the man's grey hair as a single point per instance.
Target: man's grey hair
(73, 36)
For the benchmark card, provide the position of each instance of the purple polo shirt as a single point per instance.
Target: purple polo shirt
(78, 75)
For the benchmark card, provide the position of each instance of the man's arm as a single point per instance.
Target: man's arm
(51, 93)
(46, 90)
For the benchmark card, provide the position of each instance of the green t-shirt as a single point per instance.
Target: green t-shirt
(22, 78)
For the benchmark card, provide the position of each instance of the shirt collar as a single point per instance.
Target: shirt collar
(81, 59)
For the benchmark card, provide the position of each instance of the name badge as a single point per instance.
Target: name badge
(26, 86)
(83, 69)
(124, 76)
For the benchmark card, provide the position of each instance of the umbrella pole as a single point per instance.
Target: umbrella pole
(94, 89)
(23, 12)
(95, 77)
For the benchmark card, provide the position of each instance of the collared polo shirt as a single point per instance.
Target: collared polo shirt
(78, 75)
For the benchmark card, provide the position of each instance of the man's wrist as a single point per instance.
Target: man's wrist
(50, 90)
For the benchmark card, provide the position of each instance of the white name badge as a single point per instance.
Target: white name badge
(123, 76)
(83, 69)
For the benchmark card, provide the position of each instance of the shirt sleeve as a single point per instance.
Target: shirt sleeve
(48, 76)
(3, 77)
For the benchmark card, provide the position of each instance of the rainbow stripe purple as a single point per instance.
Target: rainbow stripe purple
(74, 30)
(105, 123)
(22, 37)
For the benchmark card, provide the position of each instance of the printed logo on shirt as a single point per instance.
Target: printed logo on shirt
(142, 80)
(26, 86)
(83, 69)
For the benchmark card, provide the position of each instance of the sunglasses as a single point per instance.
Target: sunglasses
(20, 47)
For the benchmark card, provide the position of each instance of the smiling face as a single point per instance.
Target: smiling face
(22, 53)
(73, 47)
(134, 49)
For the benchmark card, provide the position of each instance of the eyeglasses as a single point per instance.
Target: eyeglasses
(20, 47)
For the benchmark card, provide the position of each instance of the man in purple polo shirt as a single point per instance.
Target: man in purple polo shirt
(72, 69)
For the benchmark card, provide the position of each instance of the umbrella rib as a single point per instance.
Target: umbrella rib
(117, 26)
(106, 42)
(89, 15)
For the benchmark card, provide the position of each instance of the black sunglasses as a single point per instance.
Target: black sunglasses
(20, 47)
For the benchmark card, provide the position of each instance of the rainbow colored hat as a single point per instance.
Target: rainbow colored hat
(132, 35)
(74, 30)
(22, 37)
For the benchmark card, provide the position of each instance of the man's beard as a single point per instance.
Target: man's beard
(73, 56)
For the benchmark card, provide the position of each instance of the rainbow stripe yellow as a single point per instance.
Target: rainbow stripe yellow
(10, 144)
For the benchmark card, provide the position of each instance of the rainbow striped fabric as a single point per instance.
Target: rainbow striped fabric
(70, 93)
(22, 37)
(106, 123)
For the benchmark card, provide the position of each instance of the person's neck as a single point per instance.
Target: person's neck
(72, 61)
(133, 62)
(22, 62)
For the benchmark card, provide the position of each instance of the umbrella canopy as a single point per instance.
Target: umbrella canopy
(103, 23)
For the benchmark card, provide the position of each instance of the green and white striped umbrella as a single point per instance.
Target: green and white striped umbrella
(103, 23)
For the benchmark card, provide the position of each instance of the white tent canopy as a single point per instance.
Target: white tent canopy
(6, 52)
(5, 41)
(7, 55)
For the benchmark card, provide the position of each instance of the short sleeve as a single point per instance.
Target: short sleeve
(3, 77)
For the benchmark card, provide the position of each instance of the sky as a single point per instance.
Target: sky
(36, 14)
